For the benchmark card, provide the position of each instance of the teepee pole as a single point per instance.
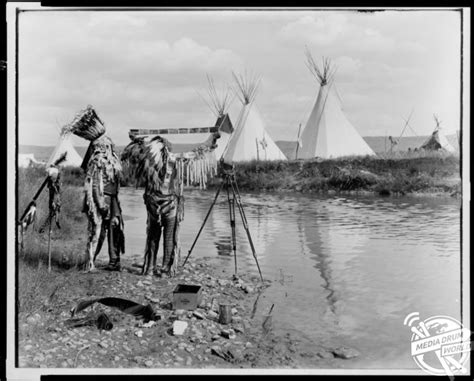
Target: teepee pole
(298, 142)
(49, 245)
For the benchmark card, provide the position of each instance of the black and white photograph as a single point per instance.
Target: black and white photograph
(237, 191)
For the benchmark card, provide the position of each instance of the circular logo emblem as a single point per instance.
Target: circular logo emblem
(440, 345)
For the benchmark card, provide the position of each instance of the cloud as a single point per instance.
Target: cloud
(321, 29)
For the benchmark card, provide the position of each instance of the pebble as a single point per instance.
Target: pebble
(140, 284)
(248, 344)
(345, 353)
(234, 311)
(103, 344)
(211, 315)
(149, 363)
(150, 324)
(139, 333)
(228, 333)
(325, 355)
(199, 315)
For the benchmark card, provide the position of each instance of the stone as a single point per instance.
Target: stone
(212, 315)
(148, 363)
(325, 355)
(198, 314)
(179, 327)
(239, 328)
(234, 311)
(228, 333)
(149, 324)
(139, 333)
(248, 344)
(140, 284)
(103, 344)
(345, 353)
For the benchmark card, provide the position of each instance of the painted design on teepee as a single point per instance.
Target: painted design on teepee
(437, 140)
(64, 145)
(328, 133)
(250, 140)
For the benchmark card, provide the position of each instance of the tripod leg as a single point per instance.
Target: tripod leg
(246, 227)
(232, 224)
(203, 223)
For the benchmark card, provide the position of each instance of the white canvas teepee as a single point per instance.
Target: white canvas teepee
(219, 102)
(437, 140)
(328, 133)
(73, 159)
(250, 140)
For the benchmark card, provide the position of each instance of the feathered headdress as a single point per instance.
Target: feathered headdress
(87, 124)
(147, 160)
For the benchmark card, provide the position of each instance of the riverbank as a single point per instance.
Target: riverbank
(249, 341)
(434, 174)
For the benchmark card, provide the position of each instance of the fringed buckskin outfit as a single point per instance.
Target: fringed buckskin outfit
(163, 174)
(101, 203)
(165, 209)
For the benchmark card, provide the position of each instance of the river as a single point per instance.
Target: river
(344, 270)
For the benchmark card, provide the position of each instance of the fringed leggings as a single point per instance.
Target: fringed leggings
(154, 228)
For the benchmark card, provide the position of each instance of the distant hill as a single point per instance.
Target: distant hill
(378, 143)
(43, 153)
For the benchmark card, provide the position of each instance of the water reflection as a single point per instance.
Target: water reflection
(350, 267)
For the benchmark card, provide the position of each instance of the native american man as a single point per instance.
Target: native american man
(102, 183)
(162, 173)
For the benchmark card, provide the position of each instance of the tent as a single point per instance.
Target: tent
(437, 140)
(26, 159)
(250, 140)
(219, 102)
(328, 133)
(73, 159)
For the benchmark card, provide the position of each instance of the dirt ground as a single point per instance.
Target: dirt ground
(46, 340)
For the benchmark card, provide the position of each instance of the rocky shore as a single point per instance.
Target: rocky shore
(248, 341)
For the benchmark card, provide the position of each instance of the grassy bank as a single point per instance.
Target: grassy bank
(436, 173)
(395, 175)
(67, 243)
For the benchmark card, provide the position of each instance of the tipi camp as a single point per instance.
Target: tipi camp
(437, 140)
(73, 159)
(219, 102)
(328, 133)
(250, 140)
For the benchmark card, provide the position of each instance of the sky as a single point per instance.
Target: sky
(147, 69)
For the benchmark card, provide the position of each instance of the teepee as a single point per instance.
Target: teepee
(250, 140)
(328, 133)
(437, 140)
(219, 102)
(73, 159)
